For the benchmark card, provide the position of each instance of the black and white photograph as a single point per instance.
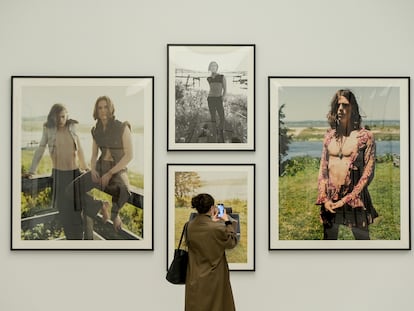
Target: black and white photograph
(231, 189)
(339, 163)
(82, 150)
(211, 97)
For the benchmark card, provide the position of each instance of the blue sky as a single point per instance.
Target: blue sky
(313, 102)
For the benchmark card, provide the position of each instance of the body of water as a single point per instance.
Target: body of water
(233, 85)
(324, 123)
(32, 139)
(314, 148)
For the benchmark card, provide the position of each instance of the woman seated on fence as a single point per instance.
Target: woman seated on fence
(112, 141)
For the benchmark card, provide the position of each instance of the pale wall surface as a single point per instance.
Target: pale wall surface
(293, 37)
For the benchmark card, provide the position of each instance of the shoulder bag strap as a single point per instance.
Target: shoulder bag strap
(182, 234)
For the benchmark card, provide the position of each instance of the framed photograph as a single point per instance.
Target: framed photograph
(211, 97)
(339, 163)
(82, 163)
(232, 185)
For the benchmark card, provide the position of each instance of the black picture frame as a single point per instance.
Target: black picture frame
(298, 107)
(230, 184)
(35, 221)
(194, 119)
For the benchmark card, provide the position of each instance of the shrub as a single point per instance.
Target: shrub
(294, 165)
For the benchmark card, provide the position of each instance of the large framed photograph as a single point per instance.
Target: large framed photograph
(82, 163)
(232, 185)
(339, 163)
(211, 97)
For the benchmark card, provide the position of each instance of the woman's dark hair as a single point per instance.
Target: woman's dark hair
(110, 104)
(53, 115)
(202, 202)
(355, 120)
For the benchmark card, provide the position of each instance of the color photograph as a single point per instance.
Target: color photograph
(82, 150)
(232, 187)
(339, 163)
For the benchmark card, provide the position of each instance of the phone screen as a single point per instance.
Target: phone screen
(220, 210)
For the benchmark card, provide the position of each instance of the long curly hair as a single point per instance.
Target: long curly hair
(355, 119)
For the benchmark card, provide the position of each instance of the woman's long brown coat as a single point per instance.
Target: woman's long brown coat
(208, 283)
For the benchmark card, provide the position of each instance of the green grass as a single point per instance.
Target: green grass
(45, 164)
(299, 216)
(132, 216)
(386, 133)
(235, 255)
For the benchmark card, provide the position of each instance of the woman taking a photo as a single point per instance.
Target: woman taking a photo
(208, 283)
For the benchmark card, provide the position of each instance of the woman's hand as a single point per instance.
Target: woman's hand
(96, 178)
(105, 179)
(214, 213)
(338, 204)
(83, 169)
(225, 217)
(331, 206)
(28, 175)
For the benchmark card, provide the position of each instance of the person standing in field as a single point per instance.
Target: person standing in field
(216, 94)
(111, 153)
(207, 286)
(346, 169)
(59, 134)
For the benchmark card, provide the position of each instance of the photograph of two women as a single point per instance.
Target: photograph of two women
(82, 169)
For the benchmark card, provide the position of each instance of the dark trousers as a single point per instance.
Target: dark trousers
(215, 105)
(118, 188)
(69, 216)
(330, 232)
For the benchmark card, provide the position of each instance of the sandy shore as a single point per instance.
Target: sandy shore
(296, 131)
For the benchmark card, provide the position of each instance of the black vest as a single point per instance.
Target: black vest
(111, 138)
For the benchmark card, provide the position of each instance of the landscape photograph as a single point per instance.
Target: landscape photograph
(230, 185)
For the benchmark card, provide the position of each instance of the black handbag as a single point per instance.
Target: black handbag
(178, 269)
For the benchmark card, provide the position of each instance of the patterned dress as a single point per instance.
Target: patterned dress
(358, 210)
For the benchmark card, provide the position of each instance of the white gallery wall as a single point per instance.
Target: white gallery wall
(292, 37)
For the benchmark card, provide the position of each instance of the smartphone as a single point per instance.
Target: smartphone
(220, 207)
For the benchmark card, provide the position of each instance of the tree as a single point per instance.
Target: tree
(284, 139)
(186, 183)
